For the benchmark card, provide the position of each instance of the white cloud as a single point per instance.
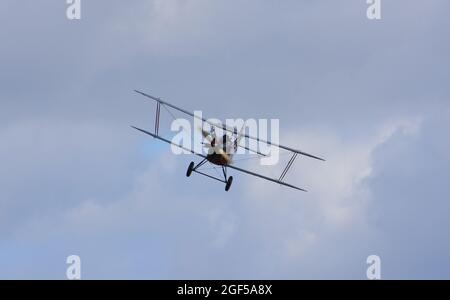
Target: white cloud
(293, 226)
(338, 198)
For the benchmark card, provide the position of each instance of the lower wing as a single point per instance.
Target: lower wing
(229, 166)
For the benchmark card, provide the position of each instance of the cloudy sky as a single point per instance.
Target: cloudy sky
(373, 97)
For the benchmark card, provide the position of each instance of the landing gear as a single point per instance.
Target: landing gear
(228, 181)
(190, 169)
(194, 168)
(228, 184)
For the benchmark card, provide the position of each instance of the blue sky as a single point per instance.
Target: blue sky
(370, 96)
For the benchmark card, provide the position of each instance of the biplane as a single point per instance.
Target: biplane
(222, 148)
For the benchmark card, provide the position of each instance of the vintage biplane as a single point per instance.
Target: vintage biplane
(219, 147)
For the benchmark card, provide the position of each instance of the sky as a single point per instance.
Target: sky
(371, 96)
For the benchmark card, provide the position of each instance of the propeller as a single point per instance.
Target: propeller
(217, 147)
(239, 137)
(206, 134)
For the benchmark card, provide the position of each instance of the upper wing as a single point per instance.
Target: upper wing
(226, 128)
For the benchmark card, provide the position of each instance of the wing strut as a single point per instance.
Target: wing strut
(158, 110)
(288, 166)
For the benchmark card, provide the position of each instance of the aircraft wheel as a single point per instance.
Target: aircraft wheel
(190, 169)
(229, 182)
